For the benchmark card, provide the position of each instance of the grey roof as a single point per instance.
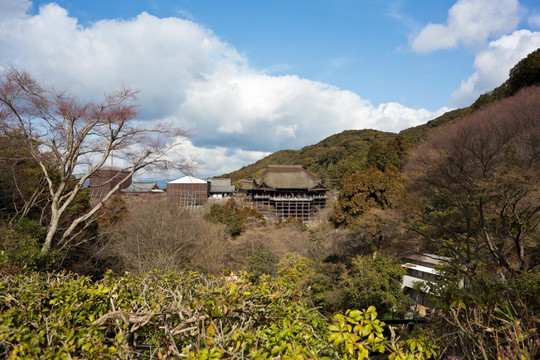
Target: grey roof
(222, 189)
(431, 259)
(247, 185)
(136, 187)
(220, 181)
(221, 185)
(116, 168)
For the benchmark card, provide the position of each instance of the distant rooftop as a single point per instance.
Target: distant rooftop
(141, 187)
(221, 185)
(188, 180)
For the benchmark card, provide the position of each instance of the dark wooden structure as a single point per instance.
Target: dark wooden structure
(105, 179)
(284, 191)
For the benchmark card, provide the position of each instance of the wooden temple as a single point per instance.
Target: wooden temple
(284, 191)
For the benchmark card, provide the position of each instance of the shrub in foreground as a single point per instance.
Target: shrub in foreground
(181, 315)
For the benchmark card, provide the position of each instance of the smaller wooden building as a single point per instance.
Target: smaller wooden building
(188, 191)
(221, 188)
(105, 179)
(138, 188)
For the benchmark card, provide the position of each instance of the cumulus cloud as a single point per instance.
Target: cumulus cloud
(470, 22)
(212, 161)
(13, 9)
(493, 65)
(189, 76)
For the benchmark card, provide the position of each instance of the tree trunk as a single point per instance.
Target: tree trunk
(51, 231)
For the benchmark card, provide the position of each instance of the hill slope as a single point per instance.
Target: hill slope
(330, 159)
(346, 152)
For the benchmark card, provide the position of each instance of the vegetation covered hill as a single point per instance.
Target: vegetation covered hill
(330, 159)
(346, 152)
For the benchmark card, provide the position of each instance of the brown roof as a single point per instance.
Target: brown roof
(287, 177)
(246, 185)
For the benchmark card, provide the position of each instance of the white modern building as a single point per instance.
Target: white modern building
(421, 270)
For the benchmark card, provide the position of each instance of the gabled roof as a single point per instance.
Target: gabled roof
(188, 180)
(139, 187)
(116, 168)
(220, 181)
(221, 185)
(288, 177)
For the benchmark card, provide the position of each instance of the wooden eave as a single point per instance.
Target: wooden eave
(263, 186)
(318, 187)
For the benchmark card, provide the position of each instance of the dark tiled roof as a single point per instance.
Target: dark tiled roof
(222, 189)
(221, 185)
(220, 181)
(288, 177)
(137, 187)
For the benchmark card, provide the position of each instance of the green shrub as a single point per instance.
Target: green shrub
(181, 315)
(24, 252)
(375, 281)
(262, 262)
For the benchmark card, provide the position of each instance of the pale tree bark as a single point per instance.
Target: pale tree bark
(66, 136)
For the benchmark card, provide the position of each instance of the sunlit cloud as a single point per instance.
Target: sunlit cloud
(189, 76)
(470, 22)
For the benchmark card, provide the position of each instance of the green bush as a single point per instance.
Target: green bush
(375, 281)
(180, 315)
(24, 252)
(262, 262)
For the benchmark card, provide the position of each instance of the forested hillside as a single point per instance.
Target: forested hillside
(330, 159)
(346, 152)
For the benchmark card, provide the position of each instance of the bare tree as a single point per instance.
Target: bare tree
(156, 235)
(480, 181)
(66, 135)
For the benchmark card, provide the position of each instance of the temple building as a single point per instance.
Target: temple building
(221, 188)
(284, 191)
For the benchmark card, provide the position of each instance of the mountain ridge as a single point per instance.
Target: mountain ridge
(346, 152)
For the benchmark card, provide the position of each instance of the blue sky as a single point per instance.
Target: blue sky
(252, 77)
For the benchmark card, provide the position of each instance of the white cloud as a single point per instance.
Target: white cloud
(13, 9)
(471, 22)
(493, 65)
(213, 161)
(187, 75)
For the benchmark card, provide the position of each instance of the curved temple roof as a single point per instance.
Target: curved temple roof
(288, 177)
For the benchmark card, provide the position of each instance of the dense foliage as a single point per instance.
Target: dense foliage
(376, 282)
(181, 315)
(365, 190)
(233, 216)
